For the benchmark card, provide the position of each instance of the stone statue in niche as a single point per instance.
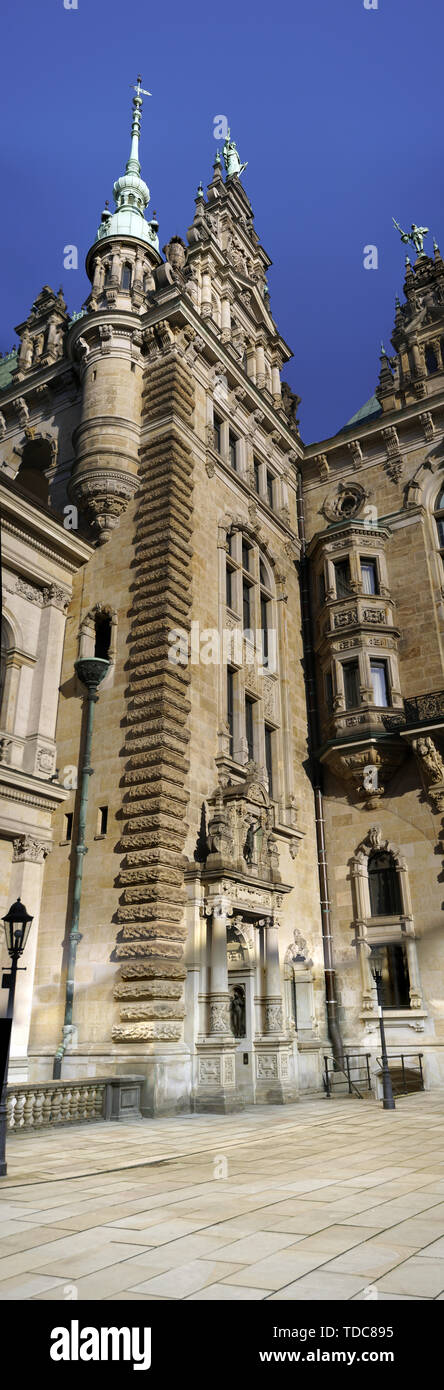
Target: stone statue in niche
(237, 1011)
(249, 845)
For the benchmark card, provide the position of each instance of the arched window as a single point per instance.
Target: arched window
(36, 460)
(125, 278)
(102, 637)
(439, 519)
(383, 882)
(6, 646)
(431, 360)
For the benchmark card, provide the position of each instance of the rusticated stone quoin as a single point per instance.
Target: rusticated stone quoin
(155, 792)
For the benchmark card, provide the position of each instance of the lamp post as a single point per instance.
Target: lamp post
(17, 924)
(376, 963)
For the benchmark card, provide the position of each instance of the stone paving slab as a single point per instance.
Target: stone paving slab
(314, 1201)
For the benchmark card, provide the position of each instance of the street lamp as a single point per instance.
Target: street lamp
(376, 963)
(17, 925)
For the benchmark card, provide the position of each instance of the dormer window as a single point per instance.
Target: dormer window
(125, 278)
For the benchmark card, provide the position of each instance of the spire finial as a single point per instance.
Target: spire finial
(131, 194)
(133, 165)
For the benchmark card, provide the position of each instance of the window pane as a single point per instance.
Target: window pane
(369, 576)
(395, 977)
(217, 433)
(269, 757)
(229, 588)
(351, 684)
(383, 882)
(264, 626)
(246, 555)
(125, 279)
(246, 604)
(378, 672)
(256, 474)
(232, 441)
(342, 572)
(440, 530)
(249, 726)
(270, 481)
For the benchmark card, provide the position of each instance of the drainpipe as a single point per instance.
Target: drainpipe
(91, 671)
(316, 780)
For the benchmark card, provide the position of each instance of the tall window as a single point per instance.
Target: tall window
(102, 640)
(383, 882)
(269, 757)
(270, 488)
(351, 684)
(439, 519)
(342, 576)
(369, 576)
(395, 976)
(36, 460)
(249, 726)
(230, 707)
(379, 679)
(431, 360)
(256, 467)
(232, 446)
(217, 433)
(329, 691)
(246, 604)
(125, 278)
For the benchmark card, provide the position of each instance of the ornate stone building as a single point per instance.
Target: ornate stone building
(204, 573)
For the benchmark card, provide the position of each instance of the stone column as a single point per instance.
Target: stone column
(260, 366)
(274, 1021)
(216, 1054)
(225, 320)
(205, 302)
(219, 995)
(275, 1081)
(29, 854)
(276, 384)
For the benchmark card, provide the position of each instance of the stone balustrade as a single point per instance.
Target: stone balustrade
(34, 1105)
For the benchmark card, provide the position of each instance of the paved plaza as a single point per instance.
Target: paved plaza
(320, 1200)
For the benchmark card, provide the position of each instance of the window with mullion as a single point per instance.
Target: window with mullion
(230, 707)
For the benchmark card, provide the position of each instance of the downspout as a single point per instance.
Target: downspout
(91, 671)
(315, 771)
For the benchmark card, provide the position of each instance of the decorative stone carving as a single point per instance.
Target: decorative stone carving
(354, 448)
(56, 596)
(27, 847)
(432, 769)
(297, 952)
(266, 1066)
(394, 466)
(346, 502)
(427, 422)
(103, 495)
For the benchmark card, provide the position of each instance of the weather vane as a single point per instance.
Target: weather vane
(141, 91)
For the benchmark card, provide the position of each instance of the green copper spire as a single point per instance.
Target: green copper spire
(131, 194)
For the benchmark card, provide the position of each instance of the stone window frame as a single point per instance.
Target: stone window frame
(16, 659)
(282, 755)
(380, 931)
(86, 637)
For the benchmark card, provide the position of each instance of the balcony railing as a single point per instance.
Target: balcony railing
(421, 709)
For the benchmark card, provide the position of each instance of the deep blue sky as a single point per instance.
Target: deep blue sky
(338, 110)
